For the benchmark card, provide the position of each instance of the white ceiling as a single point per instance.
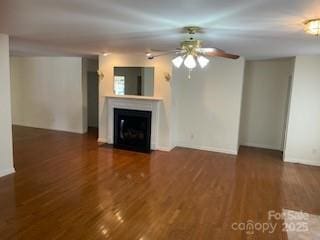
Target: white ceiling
(251, 28)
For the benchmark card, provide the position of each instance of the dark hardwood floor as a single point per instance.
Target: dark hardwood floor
(68, 187)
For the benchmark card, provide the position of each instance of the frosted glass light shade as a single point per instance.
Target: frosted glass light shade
(177, 61)
(190, 62)
(203, 61)
(313, 27)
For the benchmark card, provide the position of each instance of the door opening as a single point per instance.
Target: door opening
(93, 100)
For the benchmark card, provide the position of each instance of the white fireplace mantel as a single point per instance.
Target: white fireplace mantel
(134, 97)
(134, 103)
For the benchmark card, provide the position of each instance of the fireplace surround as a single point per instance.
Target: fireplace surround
(132, 129)
(151, 104)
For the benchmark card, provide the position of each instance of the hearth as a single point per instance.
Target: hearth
(132, 129)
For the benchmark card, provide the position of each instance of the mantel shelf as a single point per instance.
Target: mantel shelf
(134, 97)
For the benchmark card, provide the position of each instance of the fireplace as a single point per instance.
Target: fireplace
(132, 129)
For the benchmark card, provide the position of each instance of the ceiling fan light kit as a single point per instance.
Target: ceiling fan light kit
(190, 61)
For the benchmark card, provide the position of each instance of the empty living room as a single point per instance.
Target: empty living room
(156, 120)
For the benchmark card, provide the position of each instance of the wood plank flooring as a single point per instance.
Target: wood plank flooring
(66, 186)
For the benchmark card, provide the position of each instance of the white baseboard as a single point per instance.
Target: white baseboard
(164, 149)
(102, 140)
(208, 148)
(257, 145)
(7, 172)
(301, 161)
(51, 128)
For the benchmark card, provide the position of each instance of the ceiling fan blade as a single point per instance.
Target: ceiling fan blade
(163, 51)
(153, 53)
(209, 50)
(156, 50)
(152, 56)
(222, 54)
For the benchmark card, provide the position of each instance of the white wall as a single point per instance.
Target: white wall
(48, 92)
(6, 153)
(207, 107)
(303, 136)
(162, 89)
(264, 105)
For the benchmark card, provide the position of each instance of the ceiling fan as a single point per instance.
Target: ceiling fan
(191, 51)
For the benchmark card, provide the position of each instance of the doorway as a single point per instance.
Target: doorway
(93, 100)
(265, 100)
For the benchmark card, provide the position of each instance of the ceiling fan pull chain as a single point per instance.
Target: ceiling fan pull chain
(189, 74)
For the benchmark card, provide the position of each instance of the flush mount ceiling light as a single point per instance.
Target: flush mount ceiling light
(191, 52)
(312, 27)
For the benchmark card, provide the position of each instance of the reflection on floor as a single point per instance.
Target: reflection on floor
(66, 186)
(301, 225)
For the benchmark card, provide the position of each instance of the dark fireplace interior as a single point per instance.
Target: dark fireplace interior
(132, 129)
